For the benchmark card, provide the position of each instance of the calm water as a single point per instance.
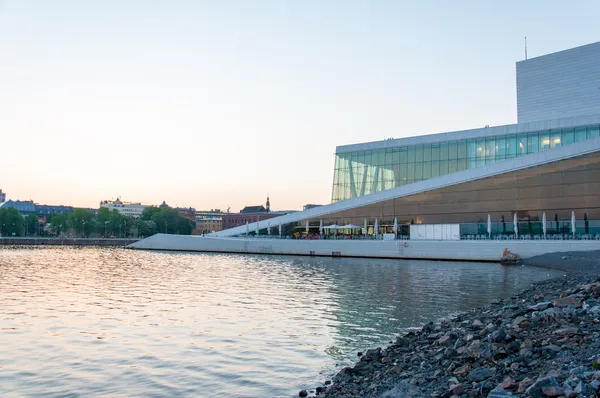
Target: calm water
(98, 322)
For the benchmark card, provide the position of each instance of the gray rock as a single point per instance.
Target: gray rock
(595, 385)
(540, 306)
(567, 331)
(404, 389)
(303, 393)
(518, 321)
(580, 388)
(480, 374)
(535, 390)
(362, 368)
(497, 336)
(499, 392)
(553, 391)
(450, 353)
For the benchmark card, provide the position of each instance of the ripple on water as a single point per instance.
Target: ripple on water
(99, 321)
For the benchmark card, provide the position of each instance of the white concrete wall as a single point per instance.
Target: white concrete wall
(562, 84)
(443, 250)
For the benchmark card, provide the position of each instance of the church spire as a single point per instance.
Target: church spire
(268, 207)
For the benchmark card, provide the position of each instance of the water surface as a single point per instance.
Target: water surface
(100, 321)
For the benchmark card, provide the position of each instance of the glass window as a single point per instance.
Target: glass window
(471, 149)
(427, 153)
(521, 144)
(403, 174)
(443, 167)
(555, 138)
(580, 134)
(533, 143)
(462, 150)
(435, 151)
(388, 157)
(418, 153)
(481, 148)
(452, 166)
(500, 148)
(544, 140)
(452, 150)
(368, 157)
(418, 171)
(426, 170)
(444, 151)
(471, 163)
(462, 164)
(490, 148)
(381, 158)
(567, 137)
(361, 158)
(435, 169)
(411, 155)
(403, 155)
(511, 146)
(396, 157)
(593, 132)
(410, 171)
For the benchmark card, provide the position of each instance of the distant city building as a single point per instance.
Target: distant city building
(249, 214)
(29, 207)
(24, 207)
(209, 213)
(236, 219)
(208, 224)
(254, 209)
(125, 208)
(187, 212)
(208, 221)
(45, 210)
(2, 196)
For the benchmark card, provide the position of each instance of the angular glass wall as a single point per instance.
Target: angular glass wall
(363, 172)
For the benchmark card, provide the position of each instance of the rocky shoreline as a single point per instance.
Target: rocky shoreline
(543, 342)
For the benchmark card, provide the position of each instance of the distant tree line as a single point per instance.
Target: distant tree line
(83, 223)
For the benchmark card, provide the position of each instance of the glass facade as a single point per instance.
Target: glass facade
(556, 189)
(363, 172)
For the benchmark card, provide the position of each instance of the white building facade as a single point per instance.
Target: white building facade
(124, 208)
(559, 85)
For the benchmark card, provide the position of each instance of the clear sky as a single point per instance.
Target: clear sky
(215, 103)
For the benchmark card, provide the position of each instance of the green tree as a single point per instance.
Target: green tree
(149, 212)
(82, 221)
(185, 226)
(167, 220)
(32, 223)
(104, 219)
(59, 223)
(11, 222)
(146, 228)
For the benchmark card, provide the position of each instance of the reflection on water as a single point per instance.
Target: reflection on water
(98, 321)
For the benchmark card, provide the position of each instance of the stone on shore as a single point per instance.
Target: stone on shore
(544, 342)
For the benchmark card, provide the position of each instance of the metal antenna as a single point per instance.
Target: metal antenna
(525, 47)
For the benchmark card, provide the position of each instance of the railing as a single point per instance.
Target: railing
(407, 237)
(533, 237)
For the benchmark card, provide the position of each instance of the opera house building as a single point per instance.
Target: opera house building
(538, 179)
